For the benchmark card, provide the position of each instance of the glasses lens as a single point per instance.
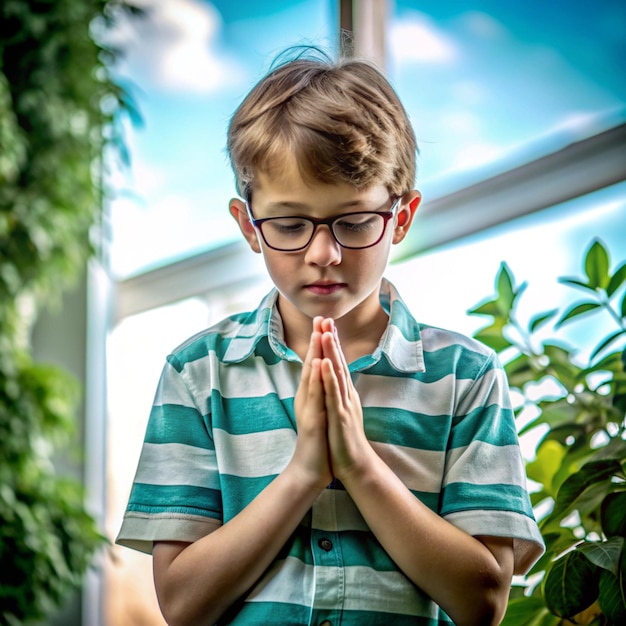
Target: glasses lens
(287, 233)
(359, 230)
(356, 230)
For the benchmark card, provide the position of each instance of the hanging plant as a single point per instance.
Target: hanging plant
(53, 134)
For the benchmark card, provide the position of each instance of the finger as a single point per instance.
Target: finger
(329, 326)
(314, 351)
(332, 388)
(342, 356)
(315, 348)
(317, 323)
(315, 388)
(332, 353)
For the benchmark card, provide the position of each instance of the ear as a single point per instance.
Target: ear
(238, 210)
(406, 212)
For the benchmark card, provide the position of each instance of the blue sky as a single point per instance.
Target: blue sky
(487, 84)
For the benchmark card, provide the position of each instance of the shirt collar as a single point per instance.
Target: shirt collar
(401, 343)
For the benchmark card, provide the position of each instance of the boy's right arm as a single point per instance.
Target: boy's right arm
(197, 582)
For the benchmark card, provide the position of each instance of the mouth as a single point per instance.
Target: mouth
(323, 288)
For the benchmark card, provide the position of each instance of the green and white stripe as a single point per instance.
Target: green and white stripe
(436, 409)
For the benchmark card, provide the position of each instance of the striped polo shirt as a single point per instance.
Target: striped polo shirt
(436, 409)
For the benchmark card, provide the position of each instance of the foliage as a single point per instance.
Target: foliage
(580, 459)
(59, 110)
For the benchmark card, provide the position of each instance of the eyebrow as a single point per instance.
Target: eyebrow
(286, 206)
(300, 208)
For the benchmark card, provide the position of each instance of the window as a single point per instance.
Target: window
(491, 87)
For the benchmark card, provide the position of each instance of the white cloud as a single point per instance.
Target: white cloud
(461, 122)
(144, 233)
(483, 25)
(148, 230)
(469, 92)
(417, 39)
(173, 47)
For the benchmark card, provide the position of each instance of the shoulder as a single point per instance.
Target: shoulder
(444, 352)
(432, 337)
(215, 339)
(460, 354)
(435, 338)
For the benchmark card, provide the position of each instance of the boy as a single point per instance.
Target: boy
(325, 459)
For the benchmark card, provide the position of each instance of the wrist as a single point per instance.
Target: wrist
(362, 467)
(304, 480)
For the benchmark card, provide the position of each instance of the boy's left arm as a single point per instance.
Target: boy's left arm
(468, 577)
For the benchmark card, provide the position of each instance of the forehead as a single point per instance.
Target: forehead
(288, 188)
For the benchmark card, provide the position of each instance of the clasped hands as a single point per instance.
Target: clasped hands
(331, 441)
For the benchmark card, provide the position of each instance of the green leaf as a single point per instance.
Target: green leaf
(605, 343)
(557, 543)
(562, 366)
(574, 282)
(597, 266)
(516, 591)
(529, 611)
(623, 306)
(519, 371)
(504, 285)
(612, 596)
(557, 352)
(546, 464)
(493, 337)
(486, 308)
(614, 450)
(554, 414)
(611, 363)
(587, 505)
(604, 554)
(575, 311)
(571, 585)
(617, 280)
(613, 515)
(590, 474)
(539, 320)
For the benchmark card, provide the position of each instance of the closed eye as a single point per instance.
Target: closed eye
(287, 225)
(358, 223)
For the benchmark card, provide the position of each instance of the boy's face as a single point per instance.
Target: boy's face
(323, 278)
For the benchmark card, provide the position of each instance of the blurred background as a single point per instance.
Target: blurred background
(519, 111)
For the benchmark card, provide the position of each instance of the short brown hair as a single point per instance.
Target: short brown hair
(342, 122)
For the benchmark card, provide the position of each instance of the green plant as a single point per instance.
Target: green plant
(580, 459)
(54, 129)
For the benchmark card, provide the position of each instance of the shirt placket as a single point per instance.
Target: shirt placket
(328, 561)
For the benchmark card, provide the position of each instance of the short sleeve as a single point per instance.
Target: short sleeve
(176, 490)
(485, 487)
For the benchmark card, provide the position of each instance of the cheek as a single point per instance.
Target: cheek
(280, 267)
(374, 260)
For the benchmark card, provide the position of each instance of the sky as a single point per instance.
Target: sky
(487, 84)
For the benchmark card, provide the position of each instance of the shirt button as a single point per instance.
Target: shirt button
(326, 545)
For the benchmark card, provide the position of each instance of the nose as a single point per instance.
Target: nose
(323, 249)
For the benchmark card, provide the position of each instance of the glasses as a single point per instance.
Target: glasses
(355, 231)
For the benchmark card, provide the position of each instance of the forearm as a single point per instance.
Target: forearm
(209, 575)
(455, 569)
